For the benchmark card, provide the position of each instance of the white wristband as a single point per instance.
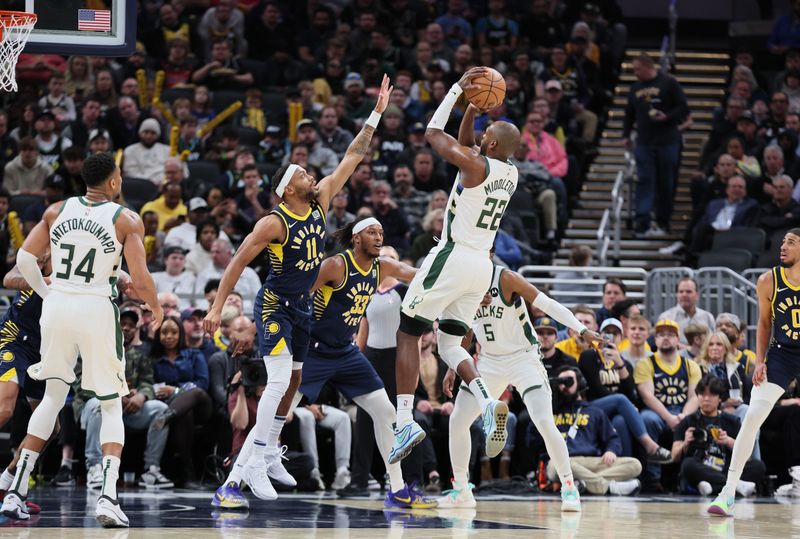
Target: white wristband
(442, 114)
(373, 119)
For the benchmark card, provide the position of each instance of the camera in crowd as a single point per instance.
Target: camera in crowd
(254, 372)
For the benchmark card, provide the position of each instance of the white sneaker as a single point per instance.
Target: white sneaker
(342, 479)
(672, 249)
(316, 476)
(94, 476)
(14, 507)
(275, 470)
(153, 478)
(255, 475)
(704, 487)
(570, 499)
(109, 513)
(745, 488)
(655, 232)
(624, 488)
(461, 498)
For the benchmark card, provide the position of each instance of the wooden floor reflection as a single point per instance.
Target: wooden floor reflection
(67, 514)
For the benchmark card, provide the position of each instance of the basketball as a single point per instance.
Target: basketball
(489, 90)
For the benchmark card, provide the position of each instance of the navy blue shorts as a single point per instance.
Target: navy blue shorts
(346, 368)
(783, 365)
(15, 358)
(283, 324)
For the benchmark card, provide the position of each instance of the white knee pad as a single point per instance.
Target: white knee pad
(43, 420)
(279, 373)
(450, 349)
(112, 429)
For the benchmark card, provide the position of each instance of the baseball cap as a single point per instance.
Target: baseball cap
(551, 84)
(393, 110)
(56, 181)
(46, 112)
(545, 323)
(190, 312)
(273, 130)
(150, 124)
(730, 318)
(129, 311)
(305, 122)
(96, 133)
(418, 127)
(353, 78)
(747, 116)
(667, 323)
(608, 322)
(172, 249)
(198, 203)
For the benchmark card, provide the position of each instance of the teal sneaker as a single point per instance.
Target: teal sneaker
(722, 506)
(570, 499)
(405, 438)
(494, 426)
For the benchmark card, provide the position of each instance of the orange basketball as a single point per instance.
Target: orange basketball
(489, 90)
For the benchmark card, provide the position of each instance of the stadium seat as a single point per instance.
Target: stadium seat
(248, 136)
(274, 105)
(737, 260)
(267, 169)
(768, 258)
(776, 238)
(751, 239)
(19, 203)
(171, 94)
(221, 99)
(137, 191)
(207, 171)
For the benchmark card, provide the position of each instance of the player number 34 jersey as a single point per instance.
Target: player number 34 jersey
(84, 247)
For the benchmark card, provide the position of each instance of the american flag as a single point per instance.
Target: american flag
(94, 19)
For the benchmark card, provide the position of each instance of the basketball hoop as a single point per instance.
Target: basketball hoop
(15, 28)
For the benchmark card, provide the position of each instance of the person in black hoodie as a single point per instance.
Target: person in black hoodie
(593, 444)
(610, 387)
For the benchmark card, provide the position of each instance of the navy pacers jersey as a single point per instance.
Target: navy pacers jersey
(785, 311)
(294, 264)
(338, 310)
(671, 387)
(21, 321)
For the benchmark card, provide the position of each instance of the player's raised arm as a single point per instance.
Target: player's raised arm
(466, 131)
(466, 157)
(394, 268)
(131, 228)
(514, 283)
(764, 289)
(330, 185)
(267, 230)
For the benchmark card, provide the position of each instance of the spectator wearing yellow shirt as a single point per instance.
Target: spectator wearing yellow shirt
(666, 384)
(622, 311)
(574, 345)
(169, 206)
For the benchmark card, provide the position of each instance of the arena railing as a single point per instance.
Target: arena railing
(590, 288)
(609, 232)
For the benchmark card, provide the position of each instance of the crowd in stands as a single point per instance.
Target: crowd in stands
(306, 77)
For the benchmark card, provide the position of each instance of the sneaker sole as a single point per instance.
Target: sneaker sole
(570, 507)
(15, 515)
(718, 511)
(108, 521)
(403, 452)
(471, 504)
(496, 440)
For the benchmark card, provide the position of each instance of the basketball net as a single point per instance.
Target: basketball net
(15, 28)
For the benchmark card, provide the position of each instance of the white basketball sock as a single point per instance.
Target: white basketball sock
(27, 460)
(110, 467)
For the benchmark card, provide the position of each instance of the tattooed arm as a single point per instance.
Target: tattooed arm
(330, 185)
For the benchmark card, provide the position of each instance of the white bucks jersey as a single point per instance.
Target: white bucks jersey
(473, 214)
(85, 251)
(503, 329)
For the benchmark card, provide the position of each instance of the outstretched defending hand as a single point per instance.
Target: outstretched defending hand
(211, 321)
(383, 95)
(760, 374)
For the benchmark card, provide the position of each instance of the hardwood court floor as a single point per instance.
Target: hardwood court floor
(68, 514)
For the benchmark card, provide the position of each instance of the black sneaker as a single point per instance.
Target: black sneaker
(661, 456)
(64, 477)
(353, 491)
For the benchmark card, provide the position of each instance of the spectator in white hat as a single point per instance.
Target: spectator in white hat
(146, 158)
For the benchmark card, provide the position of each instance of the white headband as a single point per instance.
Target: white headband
(369, 221)
(285, 180)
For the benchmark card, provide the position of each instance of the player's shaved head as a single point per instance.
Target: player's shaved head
(506, 135)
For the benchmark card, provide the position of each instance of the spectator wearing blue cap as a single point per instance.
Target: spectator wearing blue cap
(357, 105)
